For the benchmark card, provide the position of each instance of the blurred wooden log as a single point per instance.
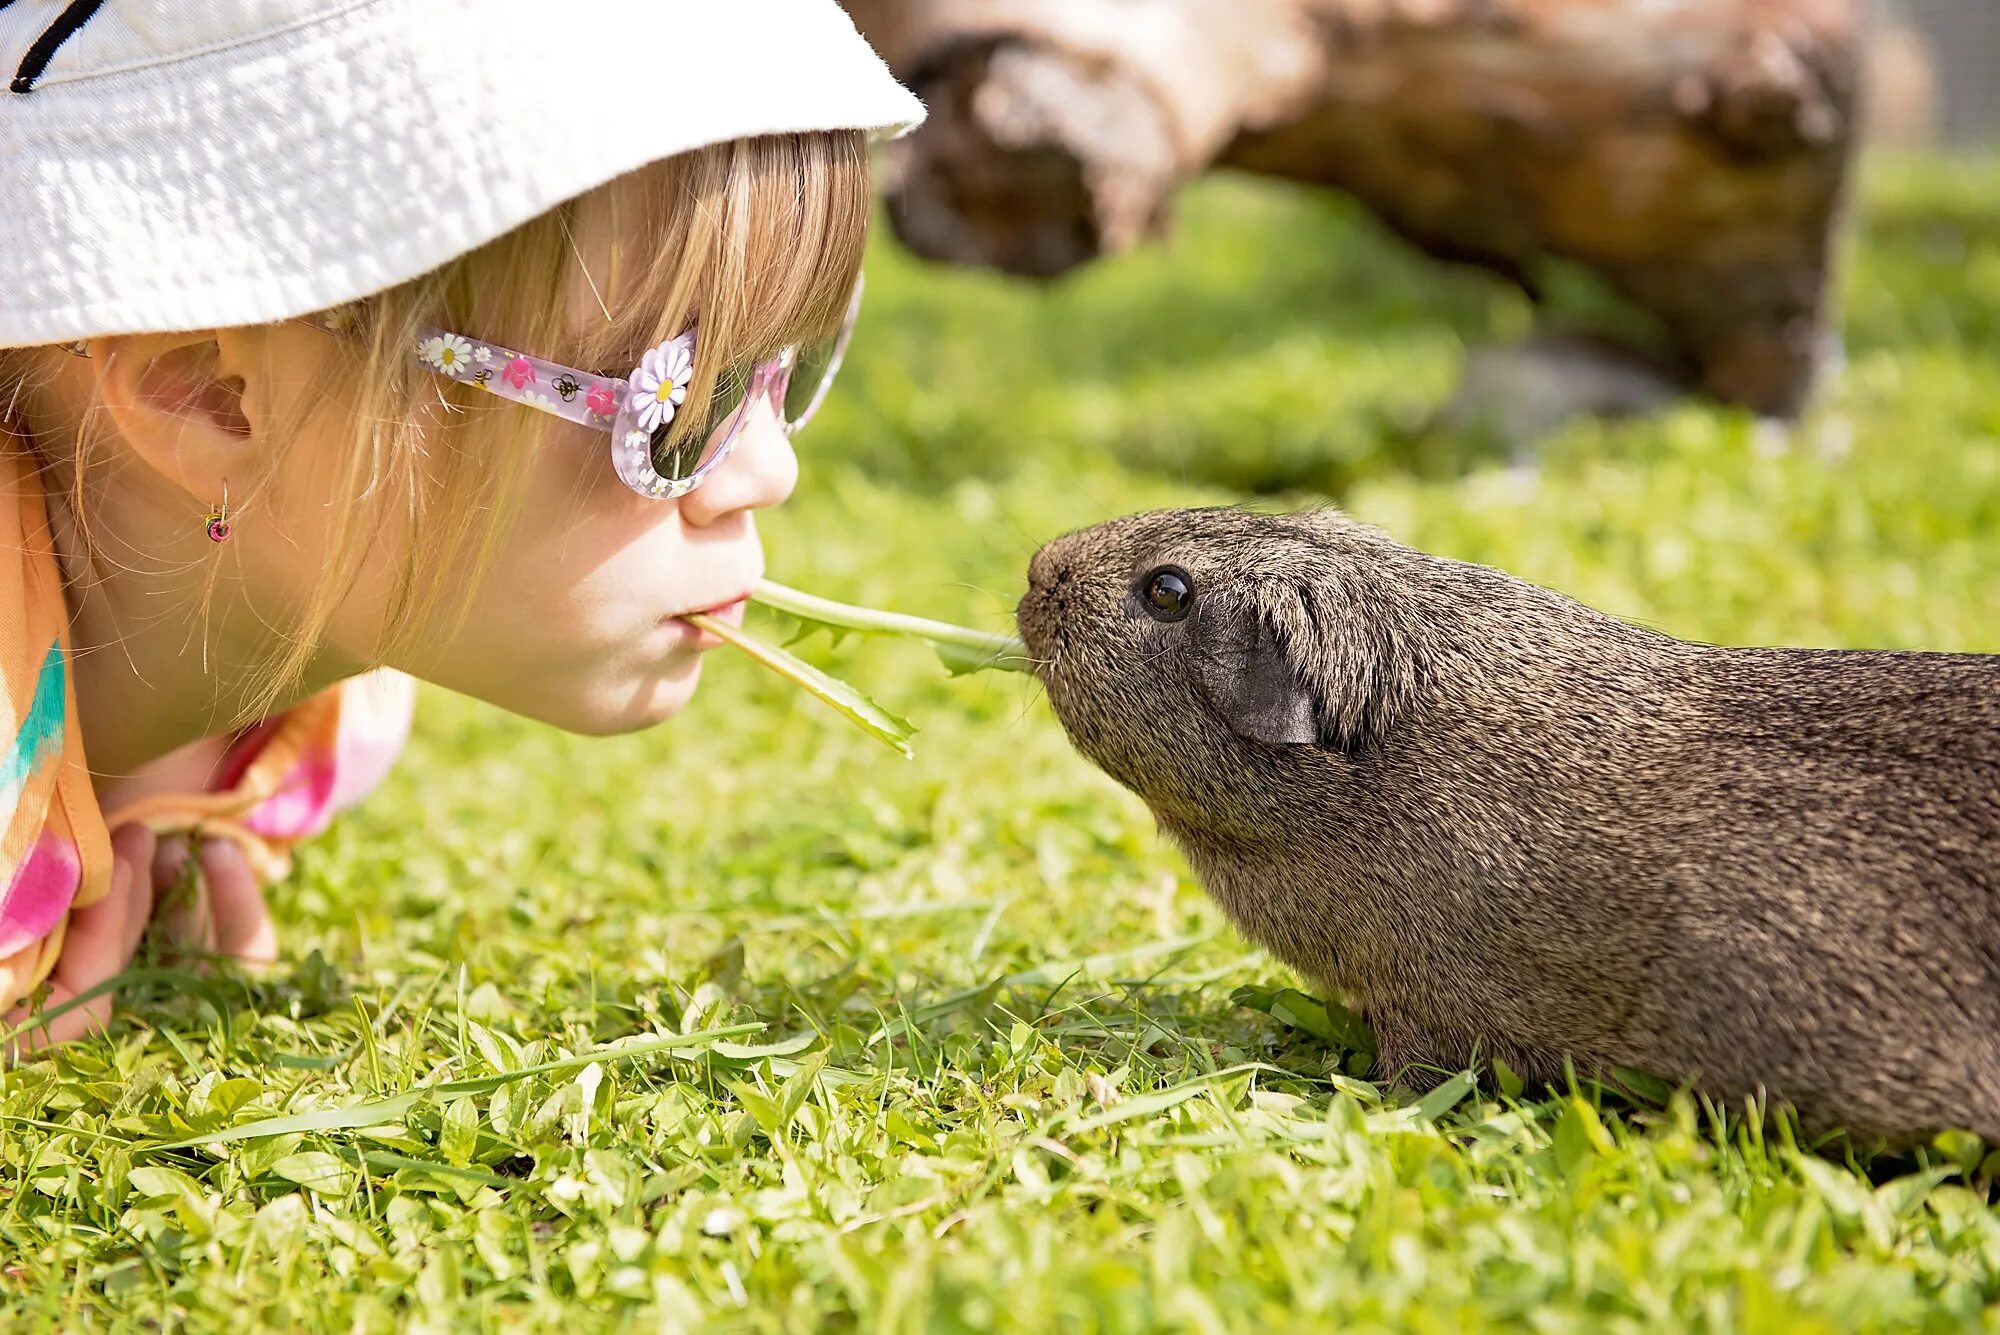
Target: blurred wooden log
(1693, 153)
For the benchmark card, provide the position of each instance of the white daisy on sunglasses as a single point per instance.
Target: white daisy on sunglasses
(660, 385)
(447, 353)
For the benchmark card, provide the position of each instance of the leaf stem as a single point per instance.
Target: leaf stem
(841, 697)
(1001, 651)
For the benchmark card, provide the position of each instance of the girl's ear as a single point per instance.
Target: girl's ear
(177, 402)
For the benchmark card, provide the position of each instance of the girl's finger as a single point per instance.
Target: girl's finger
(243, 928)
(169, 857)
(185, 918)
(93, 951)
(134, 847)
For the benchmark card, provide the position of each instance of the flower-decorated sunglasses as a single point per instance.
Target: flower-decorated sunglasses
(638, 410)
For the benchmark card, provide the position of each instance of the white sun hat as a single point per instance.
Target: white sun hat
(192, 164)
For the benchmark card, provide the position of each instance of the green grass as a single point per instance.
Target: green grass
(1015, 1071)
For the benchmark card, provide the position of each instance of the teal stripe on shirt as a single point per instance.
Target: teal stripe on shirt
(41, 732)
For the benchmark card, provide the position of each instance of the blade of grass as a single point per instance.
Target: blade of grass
(178, 978)
(383, 1162)
(375, 1112)
(842, 698)
(1160, 1100)
(1051, 972)
(962, 649)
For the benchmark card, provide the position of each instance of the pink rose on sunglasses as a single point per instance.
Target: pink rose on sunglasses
(601, 400)
(659, 386)
(519, 373)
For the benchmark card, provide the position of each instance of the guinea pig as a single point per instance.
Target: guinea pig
(1508, 826)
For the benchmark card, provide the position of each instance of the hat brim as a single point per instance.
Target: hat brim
(345, 155)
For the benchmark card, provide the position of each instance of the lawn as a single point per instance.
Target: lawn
(749, 1024)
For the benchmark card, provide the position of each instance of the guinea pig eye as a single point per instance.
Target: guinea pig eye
(1169, 594)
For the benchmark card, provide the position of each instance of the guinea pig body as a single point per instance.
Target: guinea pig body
(1508, 826)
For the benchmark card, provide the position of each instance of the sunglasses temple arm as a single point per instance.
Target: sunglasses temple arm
(575, 396)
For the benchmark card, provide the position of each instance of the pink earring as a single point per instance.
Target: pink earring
(218, 518)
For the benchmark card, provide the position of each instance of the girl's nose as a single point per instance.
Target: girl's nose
(760, 472)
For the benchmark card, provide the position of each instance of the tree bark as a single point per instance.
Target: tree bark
(1692, 153)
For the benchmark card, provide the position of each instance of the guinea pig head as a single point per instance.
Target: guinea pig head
(1198, 656)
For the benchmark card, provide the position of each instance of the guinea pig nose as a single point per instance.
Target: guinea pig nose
(1044, 570)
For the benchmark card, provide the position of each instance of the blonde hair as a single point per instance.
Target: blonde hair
(758, 242)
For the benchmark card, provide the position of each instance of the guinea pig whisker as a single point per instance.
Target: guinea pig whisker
(1027, 703)
(1032, 543)
(996, 595)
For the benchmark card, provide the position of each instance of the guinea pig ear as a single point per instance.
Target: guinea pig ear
(1246, 671)
(1322, 662)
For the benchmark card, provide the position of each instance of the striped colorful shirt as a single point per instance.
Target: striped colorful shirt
(281, 781)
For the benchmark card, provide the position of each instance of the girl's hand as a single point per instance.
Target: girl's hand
(225, 915)
(97, 945)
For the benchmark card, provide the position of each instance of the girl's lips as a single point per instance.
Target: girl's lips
(730, 613)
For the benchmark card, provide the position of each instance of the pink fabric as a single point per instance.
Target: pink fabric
(243, 753)
(302, 806)
(41, 892)
(374, 724)
(371, 738)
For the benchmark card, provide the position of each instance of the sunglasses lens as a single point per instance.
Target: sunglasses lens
(681, 447)
(814, 366)
(812, 373)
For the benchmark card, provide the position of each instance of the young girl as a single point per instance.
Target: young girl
(341, 341)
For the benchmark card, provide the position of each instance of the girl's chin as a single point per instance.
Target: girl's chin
(607, 711)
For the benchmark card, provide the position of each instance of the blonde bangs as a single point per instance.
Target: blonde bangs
(756, 243)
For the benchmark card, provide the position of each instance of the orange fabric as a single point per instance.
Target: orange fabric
(54, 797)
(313, 726)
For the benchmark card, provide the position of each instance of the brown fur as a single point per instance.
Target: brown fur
(1516, 828)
